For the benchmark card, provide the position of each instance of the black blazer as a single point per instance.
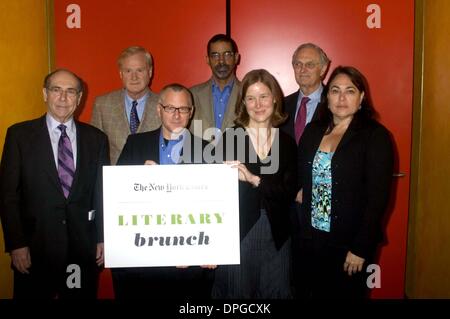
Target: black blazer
(290, 107)
(276, 191)
(361, 170)
(145, 146)
(166, 282)
(34, 211)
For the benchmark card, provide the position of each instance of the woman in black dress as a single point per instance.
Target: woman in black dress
(266, 160)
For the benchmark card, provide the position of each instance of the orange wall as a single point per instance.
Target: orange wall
(24, 64)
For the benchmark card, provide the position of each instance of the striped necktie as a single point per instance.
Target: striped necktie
(66, 167)
(300, 121)
(134, 119)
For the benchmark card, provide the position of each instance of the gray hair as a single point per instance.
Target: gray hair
(324, 60)
(176, 87)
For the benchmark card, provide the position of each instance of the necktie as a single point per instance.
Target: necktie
(300, 121)
(134, 119)
(66, 167)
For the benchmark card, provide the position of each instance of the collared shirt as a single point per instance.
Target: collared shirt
(314, 99)
(55, 134)
(170, 150)
(220, 101)
(140, 107)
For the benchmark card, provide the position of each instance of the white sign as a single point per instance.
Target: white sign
(171, 215)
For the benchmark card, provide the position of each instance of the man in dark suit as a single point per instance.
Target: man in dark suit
(172, 143)
(50, 197)
(131, 109)
(215, 99)
(310, 65)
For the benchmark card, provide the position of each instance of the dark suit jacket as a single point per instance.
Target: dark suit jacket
(165, 282)
(145, 146)
(33, 208)
(275, 192)
(290, 107)
(361, 170)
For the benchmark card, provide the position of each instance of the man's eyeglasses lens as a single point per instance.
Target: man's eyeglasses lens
(308, 65)
(56, 90)
(173, 109)
(225, 55)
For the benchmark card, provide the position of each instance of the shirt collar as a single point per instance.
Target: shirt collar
(314, 96)
(228, 85)
(181, 137)
(129, 100)
(53, 124)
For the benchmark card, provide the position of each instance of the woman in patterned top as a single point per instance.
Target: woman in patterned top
(345, 171)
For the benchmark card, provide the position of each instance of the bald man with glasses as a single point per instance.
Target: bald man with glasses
(171, 144)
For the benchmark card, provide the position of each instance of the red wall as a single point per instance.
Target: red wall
(267, 32)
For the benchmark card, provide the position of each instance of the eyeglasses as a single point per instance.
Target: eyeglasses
(309, 65)
(226, 55)
(172, 109)
(57, 91)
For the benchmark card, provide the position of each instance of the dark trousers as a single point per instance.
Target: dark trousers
(45, 283)
(319, 271)
(162, 283)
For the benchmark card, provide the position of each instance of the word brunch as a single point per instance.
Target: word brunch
(170, 219)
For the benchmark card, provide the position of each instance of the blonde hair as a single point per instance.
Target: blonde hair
(132, 51)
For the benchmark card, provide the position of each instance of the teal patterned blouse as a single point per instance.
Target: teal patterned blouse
(321, 191)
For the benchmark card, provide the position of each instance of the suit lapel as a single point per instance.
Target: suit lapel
(229, 117)
(207, 103)
(119, 116)
(44, 153)
(150, 119)
(151, 147)
(81, 157)
(348, 136)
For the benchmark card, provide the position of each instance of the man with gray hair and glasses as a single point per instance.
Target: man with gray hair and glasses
(310, 65)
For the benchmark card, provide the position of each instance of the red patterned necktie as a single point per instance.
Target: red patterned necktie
(300, 121)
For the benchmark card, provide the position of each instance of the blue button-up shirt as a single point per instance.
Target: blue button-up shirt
(220, 101)
(170, 150)
(139, 108)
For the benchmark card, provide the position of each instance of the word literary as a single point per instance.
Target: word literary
(170, 219)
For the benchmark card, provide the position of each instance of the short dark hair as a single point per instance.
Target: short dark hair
(366, 112)
(263, 76)
(48, 79)
(221, 38)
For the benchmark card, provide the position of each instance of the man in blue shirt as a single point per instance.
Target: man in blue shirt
(131, 109)
(170, 144)
(215, 99)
